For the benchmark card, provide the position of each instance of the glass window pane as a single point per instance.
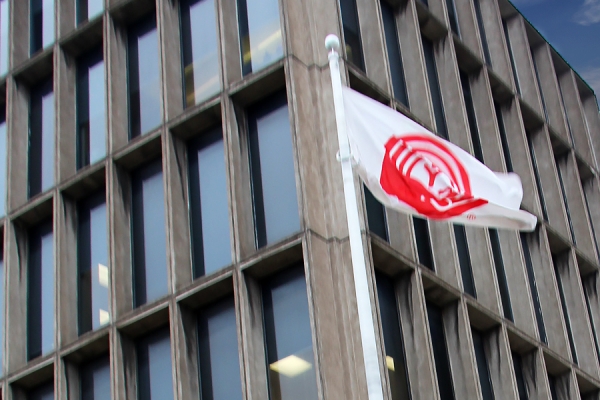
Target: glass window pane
(288, 337)
(218, 353)
(423, 240)
(88, 9)
(464, 259)
(395, 359)
(3, 160)
(41, 139)
(4, 38)
(92, 262)
(453, 17)
(394, 56)
(272, 168)
(209, 205)
(353, 44)
(200, 52)
(145, 111)
(155, 381)
(260, 34)
(41, 24)
(95, 380)
(149, 234)
(40, 291)
(91, 109)
(376, 215)
(44, 392)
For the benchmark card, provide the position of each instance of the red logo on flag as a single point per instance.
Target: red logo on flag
(423, 173)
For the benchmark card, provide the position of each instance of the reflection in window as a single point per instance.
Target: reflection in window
(154, 380)
(440, 352)
(4, 36)
(149, 234)
(288, 337)
(91, 109)
(41, 138)
(42, 392)
(92, 264)
(95, 380)
(41, 24)
(353, 44)
(88, 9)
(395, 359)
(260, 33)
(209, 209)
(144, 78)
(40, 291)
(218, 353)
(200, 52)
(272, 170)
(3, 159)
(393, 48)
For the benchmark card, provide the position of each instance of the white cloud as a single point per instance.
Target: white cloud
(589, 13)
(592, 76)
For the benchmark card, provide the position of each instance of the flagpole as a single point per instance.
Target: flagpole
(359, 268)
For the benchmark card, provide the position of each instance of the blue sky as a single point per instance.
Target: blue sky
(573, 28)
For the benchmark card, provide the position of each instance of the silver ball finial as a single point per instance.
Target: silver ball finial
(332, 42)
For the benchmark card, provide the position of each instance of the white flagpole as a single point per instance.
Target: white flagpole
(359, 268)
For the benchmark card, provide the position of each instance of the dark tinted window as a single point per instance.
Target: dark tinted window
(501, 274)
(375, 215)
(148, 234)
(218, 353)
(589, 288)
(92, 263)
(272, 169)
(482, 365)
(41, 138)
(91, 109)
(464, 259)
(395, 358)
(88, 9)
(40, 291)
(3, 159)
(154, 375)
(394, 56)
(535, 297)
(354, 52)
(41, 24)
(288, 337)
(440, 352)
(434, 88)
(144, 78)
(208, 203)
(260, 33)
(43, 392)
(4, 36)
(95, 380)
(518, 364)
(484, 42)
(423, 240)
(200, 52)
(552, 382)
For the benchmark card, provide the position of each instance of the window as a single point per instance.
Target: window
(288, 337)
(218, 353)
(88, 9)
(518, 364)
(483, 369)
(511, 56)
(40, 291)
(501, 274)
(260, 34)
(395, 359)
(209, 209)
(561, 263)
(41, 138)
(200, 51)
(484, 41)
(154, 379)
(423, 241)
(91, 109)
(440, 352)
(144, 78)
(503, 137)
(272, 171)
(394, 56)
(376, 215)
(353, 44)
(434, 88)
(535, 297)
(41, 24)
(453, 17)
(4, 36)
(95, 380)
(3, 159)
(552, 382)
(464, 259)
(42, 392)
(149, 253)
(92, 264)
(470, 107)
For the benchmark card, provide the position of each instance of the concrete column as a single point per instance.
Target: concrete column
(18, 143)
(494, 31)
(64, 94)
(592, 117)
(115, 56)
(535, 376)
(167, 16)
(499, 359)
(373, 43)
(230, 42)
(469, 29)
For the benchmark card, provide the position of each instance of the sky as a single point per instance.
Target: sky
(572, 27)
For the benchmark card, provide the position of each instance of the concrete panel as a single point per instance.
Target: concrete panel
(494, 31)
(443, 247)
(19, 27)
(592, 117)
(400, 234)
(65, 17)
(469, 30)
(484, 275)
(499, 359)
(115, 60)
(64, 85)
(535, 377)
(230, 44)
(566, 387)
(591, 189)
(185, 345)
(373, 43)
(167, 17)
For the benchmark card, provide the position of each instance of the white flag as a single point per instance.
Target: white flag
(410, 169)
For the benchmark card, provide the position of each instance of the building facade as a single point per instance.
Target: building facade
(173, 221)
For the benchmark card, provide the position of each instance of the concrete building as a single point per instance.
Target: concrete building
(173, 210)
